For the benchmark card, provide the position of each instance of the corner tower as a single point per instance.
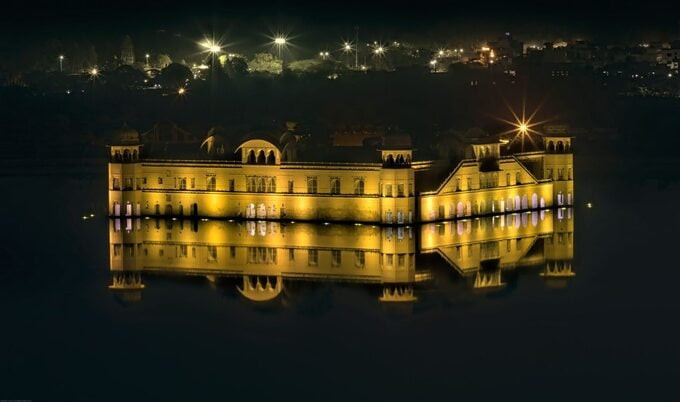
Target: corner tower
(125, 181)
(397, 197)
(558, 164)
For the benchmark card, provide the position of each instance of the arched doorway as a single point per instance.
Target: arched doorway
(400, 217)
(128, 208)
(518, 203)
(251, 156)
(468, 208)
(525, 202)
(459, 209)
(261, 211)
(250, 210)
(116, 209)
(534, 201)
(194, 209)
(261, 158)
(271, 159)
(542, 203)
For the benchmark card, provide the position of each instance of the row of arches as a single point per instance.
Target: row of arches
(558, 147)
(126, 156)
(397, 160)
(482, 207)
(261, 158)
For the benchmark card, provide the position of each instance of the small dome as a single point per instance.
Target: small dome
(126, 135)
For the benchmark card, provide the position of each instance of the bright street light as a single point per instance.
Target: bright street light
(61, 62)
(280, 41)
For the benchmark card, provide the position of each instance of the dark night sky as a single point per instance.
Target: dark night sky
(316, 23)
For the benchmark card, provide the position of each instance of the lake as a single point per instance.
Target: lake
(552, 305)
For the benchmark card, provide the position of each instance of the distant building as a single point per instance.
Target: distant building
(127, 51)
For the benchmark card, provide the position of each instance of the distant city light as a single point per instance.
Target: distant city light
(347, 47)
(433, 62)
(181, 91)
(280, 40)
(441, 53)
(379, 50)
(94, 72)
(61, 57)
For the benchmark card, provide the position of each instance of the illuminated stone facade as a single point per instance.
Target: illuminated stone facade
(268, 183)
(488, 183)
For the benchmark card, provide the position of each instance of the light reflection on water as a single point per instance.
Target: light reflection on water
(260, 260)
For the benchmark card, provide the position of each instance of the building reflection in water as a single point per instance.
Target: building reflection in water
(260, 258)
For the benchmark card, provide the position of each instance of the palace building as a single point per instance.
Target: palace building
(266, 178)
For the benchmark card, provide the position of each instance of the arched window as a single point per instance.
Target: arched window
(251, 156)
(517, 203)
(126, 155)
(459, 210)
(525, 202)
(400, 159)
(560, 146)
(534, 201)
(134, 155)
(260, 185)
(389, 161)
(261, 158)
(507, 179)
(211, 183)
(158, 209)
(518, 178)
(335, 185)
(358, 186)
(468, 208)
(271, 159)
(551, 146)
